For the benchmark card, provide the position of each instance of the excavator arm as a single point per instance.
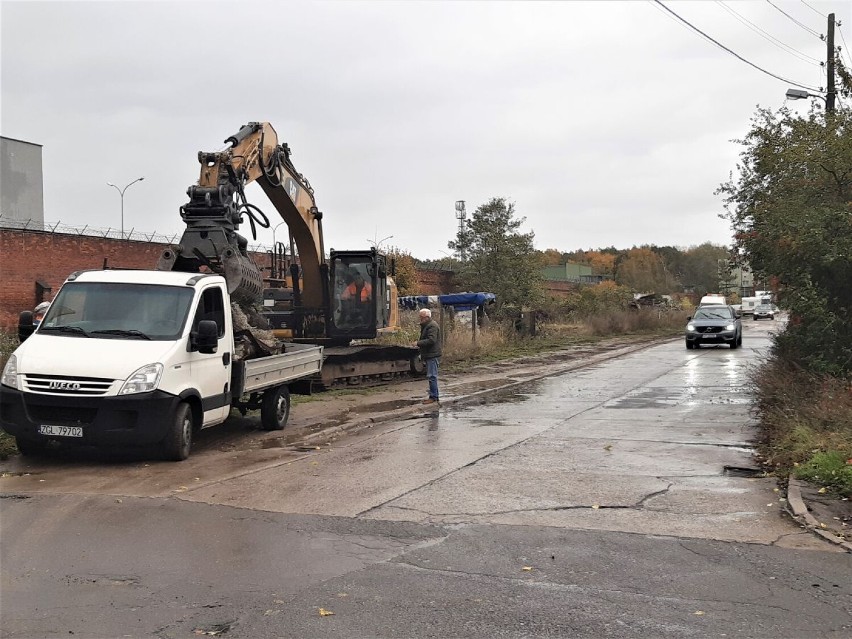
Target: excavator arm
(217, 204)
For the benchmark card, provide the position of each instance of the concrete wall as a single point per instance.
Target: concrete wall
(21, 183)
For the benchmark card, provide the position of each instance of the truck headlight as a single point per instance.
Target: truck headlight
(143, 380)
(690, 328)
(10, 373)
(730, 327)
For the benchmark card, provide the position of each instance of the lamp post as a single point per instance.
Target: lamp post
(121, 193)
(800, 94)
(378, 244)
(273, 233)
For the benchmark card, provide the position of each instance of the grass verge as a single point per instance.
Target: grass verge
(806, 424)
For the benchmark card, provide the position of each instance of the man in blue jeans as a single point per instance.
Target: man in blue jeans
(430, 351)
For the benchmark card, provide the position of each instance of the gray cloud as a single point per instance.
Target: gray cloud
(606, 123)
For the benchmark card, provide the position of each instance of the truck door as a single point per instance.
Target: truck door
(211, 373)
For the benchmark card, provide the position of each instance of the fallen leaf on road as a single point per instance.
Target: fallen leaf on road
(595, 506)
(325, 613)
(527, 568)
(698, 612)
(608, 447)
(821, 490)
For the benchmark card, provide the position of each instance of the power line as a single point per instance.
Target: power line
(812, 9)
(735, 54)
(842, 37)
(767, 36)
(804, 26)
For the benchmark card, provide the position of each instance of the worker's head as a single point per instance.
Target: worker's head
(425, 315)
(359, 279)
(39, 311)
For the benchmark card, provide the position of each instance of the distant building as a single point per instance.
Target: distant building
(562, 279)
(736, 278)
(578, 273)
(21, 184)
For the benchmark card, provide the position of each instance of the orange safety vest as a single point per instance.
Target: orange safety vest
(352, 290)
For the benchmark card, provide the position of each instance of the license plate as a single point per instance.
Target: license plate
(61, 431)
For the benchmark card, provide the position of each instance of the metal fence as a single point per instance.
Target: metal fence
(132, 235)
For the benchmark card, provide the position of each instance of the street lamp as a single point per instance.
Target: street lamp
(379, 243)
(121, 193)
(273, 233)
(800, 94)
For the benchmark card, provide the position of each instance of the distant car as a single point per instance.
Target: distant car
(764, 310)
(712, 299)
(714, 324)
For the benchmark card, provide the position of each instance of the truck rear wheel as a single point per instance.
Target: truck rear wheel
(178, 442)
(275, 409)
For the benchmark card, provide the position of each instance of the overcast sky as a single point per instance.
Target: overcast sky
(606, 123)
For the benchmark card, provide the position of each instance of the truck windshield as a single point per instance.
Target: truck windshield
(118, 310)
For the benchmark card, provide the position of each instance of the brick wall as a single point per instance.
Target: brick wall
(29, 257)
(435, 282)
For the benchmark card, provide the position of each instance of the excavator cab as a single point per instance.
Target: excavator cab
(360, 303)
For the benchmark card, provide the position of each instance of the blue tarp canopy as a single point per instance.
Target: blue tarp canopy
(459, 301)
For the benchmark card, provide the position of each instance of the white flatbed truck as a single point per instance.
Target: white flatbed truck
(126, 357)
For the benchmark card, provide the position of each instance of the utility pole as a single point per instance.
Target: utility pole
(829, 39)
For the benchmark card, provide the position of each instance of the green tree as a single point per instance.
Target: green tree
(699, 267)
(642, 270)
(791, 210)
(498, 258)
(405, 271)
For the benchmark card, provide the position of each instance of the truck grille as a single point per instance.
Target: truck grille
(63, 415)
(70, 386)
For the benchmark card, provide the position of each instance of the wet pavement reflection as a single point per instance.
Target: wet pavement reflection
(638, 443)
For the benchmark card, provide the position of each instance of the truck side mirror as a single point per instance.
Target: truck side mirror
(206, 339)
(25, 325)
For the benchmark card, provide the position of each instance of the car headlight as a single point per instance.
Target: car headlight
(730, 327)
(10, 373)
(143, 380)
(690, 328)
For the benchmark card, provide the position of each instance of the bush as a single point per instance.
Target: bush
(804, 416)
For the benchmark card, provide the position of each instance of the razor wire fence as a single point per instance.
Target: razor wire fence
(109, 233)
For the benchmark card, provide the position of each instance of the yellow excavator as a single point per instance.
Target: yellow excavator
(329, 301)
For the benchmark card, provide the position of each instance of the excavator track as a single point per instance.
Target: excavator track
(366, 365)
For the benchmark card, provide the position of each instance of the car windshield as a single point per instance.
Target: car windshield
(118, 310)
(712, 313)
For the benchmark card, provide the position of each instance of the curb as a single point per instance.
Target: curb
(799, 511)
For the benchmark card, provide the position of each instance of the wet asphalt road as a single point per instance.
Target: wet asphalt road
(592, 504)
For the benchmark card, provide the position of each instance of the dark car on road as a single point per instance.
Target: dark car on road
(714, 324)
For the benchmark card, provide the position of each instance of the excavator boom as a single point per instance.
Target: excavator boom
(347, 296)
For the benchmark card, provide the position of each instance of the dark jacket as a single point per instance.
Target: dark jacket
(430, 340)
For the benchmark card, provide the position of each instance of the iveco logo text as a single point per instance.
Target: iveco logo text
(65, 385)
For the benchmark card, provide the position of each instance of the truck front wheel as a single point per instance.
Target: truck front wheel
(30, 447)
(275, 409)
(178, 442)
